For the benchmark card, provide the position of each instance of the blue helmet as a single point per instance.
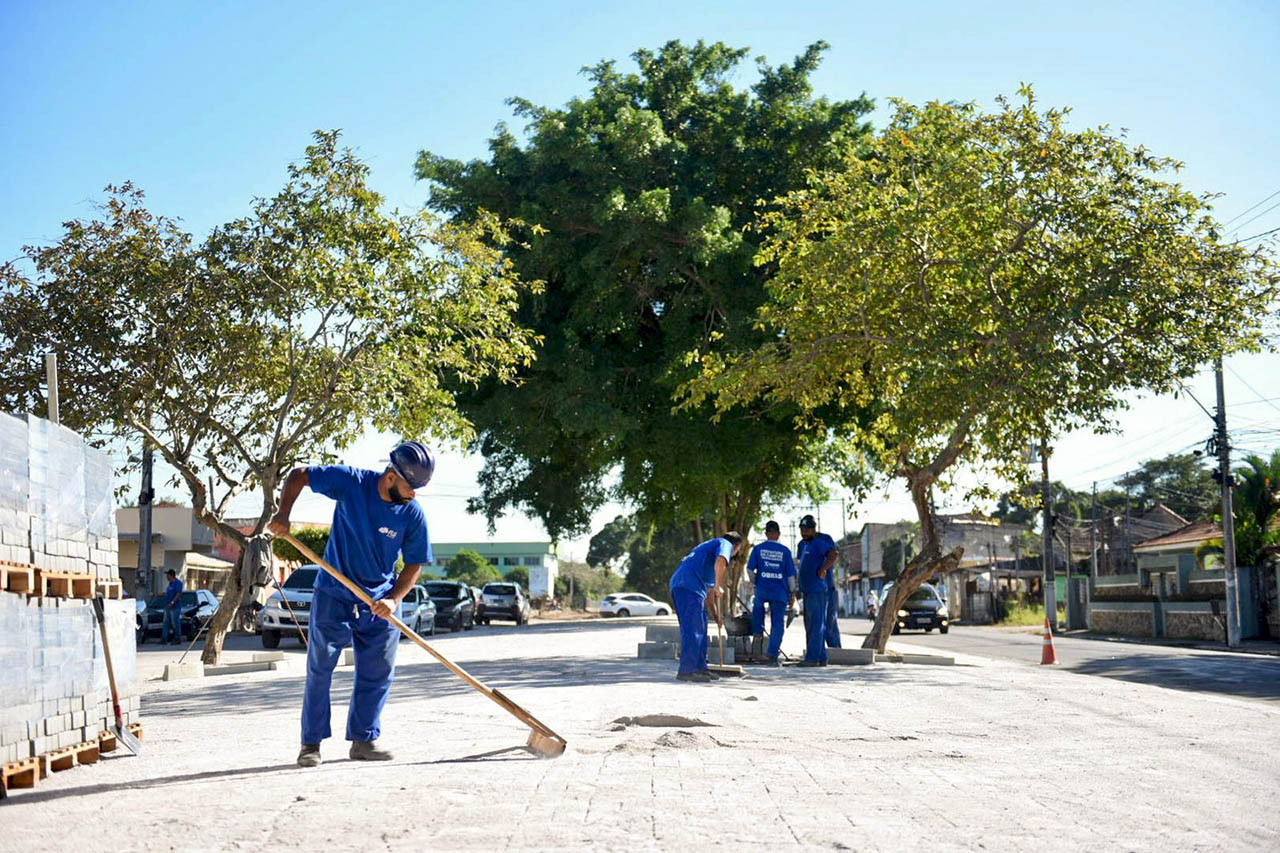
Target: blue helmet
(413, 461)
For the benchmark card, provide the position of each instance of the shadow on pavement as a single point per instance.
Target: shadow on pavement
(37, 796)
(1252, 679)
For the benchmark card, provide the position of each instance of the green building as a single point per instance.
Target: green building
(539, 558)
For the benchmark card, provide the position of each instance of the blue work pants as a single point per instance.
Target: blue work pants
(336, 623)
(172, 623)
(815, 625)
(777, 623)
(691, 611)
(833, 627)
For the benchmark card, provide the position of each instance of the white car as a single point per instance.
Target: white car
(633, 604)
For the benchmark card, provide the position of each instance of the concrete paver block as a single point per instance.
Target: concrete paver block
(236, 668)
(656, 651)
(263, 657)
(851, 657)
(175, 671)
(662, 633)
(348, 657)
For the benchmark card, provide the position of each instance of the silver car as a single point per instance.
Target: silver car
(418, 611)
(503, 600)
(288, 616)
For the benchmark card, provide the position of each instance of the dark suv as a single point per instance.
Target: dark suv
(197, 606)
(455, 609)
(503, 601)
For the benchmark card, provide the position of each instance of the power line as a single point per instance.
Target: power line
(1246, 210)
(1256, 236)
(1258, 216)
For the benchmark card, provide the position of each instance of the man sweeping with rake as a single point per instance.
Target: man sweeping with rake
(375, 521)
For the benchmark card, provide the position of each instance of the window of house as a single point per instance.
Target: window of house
(510, 561)
(533, 561)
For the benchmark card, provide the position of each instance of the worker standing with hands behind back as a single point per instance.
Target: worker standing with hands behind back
(702, 570)
(817, 553)
(774, 575)
(374, 522)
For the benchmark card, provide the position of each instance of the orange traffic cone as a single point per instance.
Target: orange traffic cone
(1048, 654)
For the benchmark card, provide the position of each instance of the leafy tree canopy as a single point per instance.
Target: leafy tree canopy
(611, 542)
(315, 538)
(471, 568)
(519, 575)
(275, 340)
(984, 281)
(641, 190)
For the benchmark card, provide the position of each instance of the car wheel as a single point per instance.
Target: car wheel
(624, 613)
(468, 624)
(270, 639)
(417, 625)
(944, 629)
(928, 630)
(661, 612)
(456, 625)
(897, 630)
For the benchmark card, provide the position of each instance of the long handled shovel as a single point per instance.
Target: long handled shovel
(122, 734)
(542, 740)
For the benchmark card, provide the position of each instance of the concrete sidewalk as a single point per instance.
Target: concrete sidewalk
(982, 754)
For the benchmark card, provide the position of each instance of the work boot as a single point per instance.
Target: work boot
(697, 677)
(809, 663)
(771, 661)
(366, 750)
(310, 755)
(711, 676)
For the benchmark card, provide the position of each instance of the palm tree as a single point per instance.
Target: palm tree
(1256, 507)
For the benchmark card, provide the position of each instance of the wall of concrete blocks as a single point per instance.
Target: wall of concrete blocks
(57, 513)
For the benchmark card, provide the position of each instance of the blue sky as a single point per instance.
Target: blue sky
(202, 105)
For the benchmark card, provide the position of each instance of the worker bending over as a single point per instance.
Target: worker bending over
(701, 570)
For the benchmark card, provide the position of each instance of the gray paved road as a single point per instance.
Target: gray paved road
(1242, 675)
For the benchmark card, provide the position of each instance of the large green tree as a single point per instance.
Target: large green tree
(985, 280)
(471, 568)
(1180, 481)
(642, 191)
(274, 341)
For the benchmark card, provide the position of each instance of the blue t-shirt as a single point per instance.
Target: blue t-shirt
(697, 571)
(813, 553)
(172, 591)
(367, 533)
(772, 564)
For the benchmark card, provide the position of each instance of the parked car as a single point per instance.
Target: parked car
(418, 611)
(633, 604)
(197, 605)
(923, 609)
(276, 620)
(140, 607)
(504, 600)
(454, 608)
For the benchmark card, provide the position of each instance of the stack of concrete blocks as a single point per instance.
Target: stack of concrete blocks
(57, 513)
(662, 642)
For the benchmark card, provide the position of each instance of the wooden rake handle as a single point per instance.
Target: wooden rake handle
(499, 698)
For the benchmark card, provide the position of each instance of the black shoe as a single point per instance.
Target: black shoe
(711, 676)
(697, 677)
(809, 663)
(822, 663)
(772, 661)
(310, 755)
(367, 750)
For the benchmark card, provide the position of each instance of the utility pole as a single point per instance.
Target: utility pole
(1226, 481)
(1093, 537)
(144, 520)
(51, 383)
(1050, 593)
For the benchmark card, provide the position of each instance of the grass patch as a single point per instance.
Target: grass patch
(1024, 614)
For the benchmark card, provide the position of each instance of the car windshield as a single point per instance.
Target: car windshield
(442, 590)
(499, 589)
(302, 579)
(158, 601)
(923, 595)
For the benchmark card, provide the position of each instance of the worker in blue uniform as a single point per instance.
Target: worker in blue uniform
(172, 609)
(375, 521)
(832, 633)
(699, 573)
(773, 573)
(817, 553)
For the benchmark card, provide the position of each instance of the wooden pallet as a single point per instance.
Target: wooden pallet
(111, 589)
(15, 577)
(23, 773)
(65, 584)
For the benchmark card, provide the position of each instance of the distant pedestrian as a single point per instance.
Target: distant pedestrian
(817, 555)
(699, 573)
(172, 609)
(774, 576)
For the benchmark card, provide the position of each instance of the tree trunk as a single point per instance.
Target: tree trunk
(929, 562)
(251, 570)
